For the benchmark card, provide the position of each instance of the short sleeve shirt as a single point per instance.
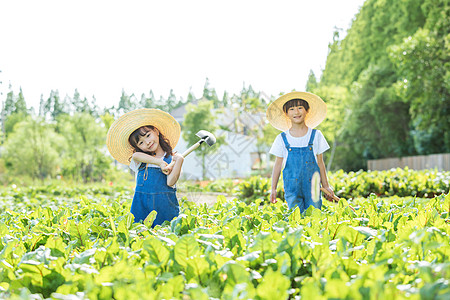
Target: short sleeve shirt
(320, 144)
(134, 165)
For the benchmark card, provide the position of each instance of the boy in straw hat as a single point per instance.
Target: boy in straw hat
(298, 149)
(144, 140)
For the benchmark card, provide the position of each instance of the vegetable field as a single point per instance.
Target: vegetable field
(63, 243)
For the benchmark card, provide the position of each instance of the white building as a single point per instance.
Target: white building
(237, 157)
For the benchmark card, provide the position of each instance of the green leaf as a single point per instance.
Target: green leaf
(148, 222)
(159, 254)
(274, 286)
(186, 248)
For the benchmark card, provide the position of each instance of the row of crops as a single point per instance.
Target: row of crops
(395, 182)
(81, 243)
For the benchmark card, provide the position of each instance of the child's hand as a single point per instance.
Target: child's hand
(177, 157)
(166, 168)
(273, 196)
(330, 195)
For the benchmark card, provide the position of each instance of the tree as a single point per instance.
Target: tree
(82, 105)
(13, 111)
(171, 101)
(311, 84)
(423, 64)
(125, 103)
(83, 159)
(40, 158)
(190, 98)
(226, 99)
(53, 106)
(210, 94)
(394, 64)
(201, 117)
(147, 102)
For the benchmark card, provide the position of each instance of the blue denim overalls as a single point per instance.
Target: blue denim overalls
(297, 174)
(153, 193)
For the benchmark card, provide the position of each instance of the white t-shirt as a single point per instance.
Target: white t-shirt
(134, 165)
(320, 144)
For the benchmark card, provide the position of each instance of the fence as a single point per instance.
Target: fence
(420, 162)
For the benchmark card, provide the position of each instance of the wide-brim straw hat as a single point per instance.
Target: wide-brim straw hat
(316, 114)
(123, 127)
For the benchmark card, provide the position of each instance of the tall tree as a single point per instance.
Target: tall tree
(125, 103)
(200, 117)
(311, 84)
(53, 106)
(40, 158)
(190, 98)
(393, 65)
(84, 159)
(13, 111)
(147, 102)
(210, 94)
(171, 101)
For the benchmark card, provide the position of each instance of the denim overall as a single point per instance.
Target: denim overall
(297, 174)
(153, 193)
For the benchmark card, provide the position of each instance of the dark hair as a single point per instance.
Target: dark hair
(142, 131)
(295, 102)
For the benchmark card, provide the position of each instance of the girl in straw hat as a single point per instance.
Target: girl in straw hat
(144, 140)
(298, 149)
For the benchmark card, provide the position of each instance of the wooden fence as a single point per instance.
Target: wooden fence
(420, 162)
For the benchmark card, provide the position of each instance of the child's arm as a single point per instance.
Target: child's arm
(172, 178)
(148, 159)
(323, 177)
(275, 176)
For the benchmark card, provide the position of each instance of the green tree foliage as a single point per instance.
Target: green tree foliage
(210, 94)
(392, 73)
(171, 101)
(53, 106)
(190, 98)
(147, 102)
(126, 103)
(423, 63)
(13, 111)
(201, 117)
(82, 105)
(84, 158)
(311, 84)
(32, 149)
(226, 99)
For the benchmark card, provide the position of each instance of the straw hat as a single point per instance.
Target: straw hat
(123, 127)
(279, 120)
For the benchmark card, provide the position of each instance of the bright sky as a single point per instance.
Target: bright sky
(102, 47)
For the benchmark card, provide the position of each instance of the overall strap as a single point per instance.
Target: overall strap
(168, 159)
(311, 139)
(286, 144)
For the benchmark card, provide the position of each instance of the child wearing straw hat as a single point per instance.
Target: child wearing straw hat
(144, 140)
(299, 148)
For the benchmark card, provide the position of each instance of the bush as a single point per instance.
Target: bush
(394, 182)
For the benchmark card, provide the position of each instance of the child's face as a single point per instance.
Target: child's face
(297, 114)
(149, 142)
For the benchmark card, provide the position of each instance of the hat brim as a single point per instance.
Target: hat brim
(316, 113)
(123, 127)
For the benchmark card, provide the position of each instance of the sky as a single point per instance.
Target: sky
(104, 47)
